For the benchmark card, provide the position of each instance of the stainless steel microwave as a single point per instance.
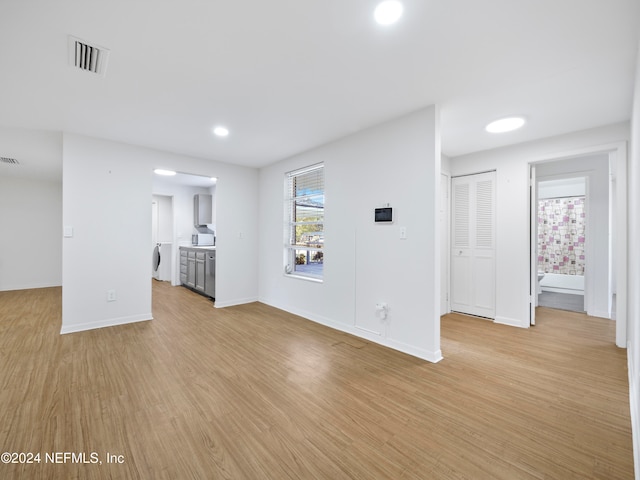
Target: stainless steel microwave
(201, 239)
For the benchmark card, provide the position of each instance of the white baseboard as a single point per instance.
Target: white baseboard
(373, 337)
(231, 303)
(634, 397)
(112, 322)
(8, 288)
(433, 357)
(512, 322)
(599, 314)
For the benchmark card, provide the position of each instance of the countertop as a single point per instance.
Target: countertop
(200, 247)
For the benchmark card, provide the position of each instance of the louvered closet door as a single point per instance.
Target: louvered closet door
(473, 245)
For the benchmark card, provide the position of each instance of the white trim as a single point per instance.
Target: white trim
(308, 278)
(590, 251)
(534, 283)
(599, 314)
(446, 249)
(634, 411)
(233, 303)
(433, 357)
(512, 322)
(580, 152)
(367, 331)
(620, 155)
(8, 288)
(112, 322)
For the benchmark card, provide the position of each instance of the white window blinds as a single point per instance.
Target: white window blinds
(304, 222)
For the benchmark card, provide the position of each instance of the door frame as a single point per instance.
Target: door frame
(445, 250)
(533, 243)
(617, 155)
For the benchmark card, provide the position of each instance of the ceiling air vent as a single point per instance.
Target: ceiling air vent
(9, 161)
(87, 57)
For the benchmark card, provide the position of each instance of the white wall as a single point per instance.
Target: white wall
(107, 190)
(214, 206)
(633, 262)
(30, 209)
(512, 172)
(31, 239)
(365, 263)
(598, 288)
(164, 226)
(569, 187)
(445, 165)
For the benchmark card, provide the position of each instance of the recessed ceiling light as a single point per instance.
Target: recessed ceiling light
(221, 131)
(167, 173)
(505, 125)
(388, 12)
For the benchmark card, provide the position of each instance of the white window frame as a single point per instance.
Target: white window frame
(291, 247)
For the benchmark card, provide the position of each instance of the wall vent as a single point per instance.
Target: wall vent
(9, 161)
(87, 57)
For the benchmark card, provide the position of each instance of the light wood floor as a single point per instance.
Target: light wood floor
(251, 392)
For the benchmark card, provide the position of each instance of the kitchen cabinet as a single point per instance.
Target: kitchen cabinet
(183, 266)
(191, 269)
(210, 271)
(200, 273)
(197, 269)
(202, 209)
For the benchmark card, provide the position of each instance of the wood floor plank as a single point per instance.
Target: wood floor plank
(252, 392)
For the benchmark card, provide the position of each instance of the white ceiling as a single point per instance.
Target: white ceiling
(286, 76)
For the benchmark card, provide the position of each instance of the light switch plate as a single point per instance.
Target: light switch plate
(68, 231)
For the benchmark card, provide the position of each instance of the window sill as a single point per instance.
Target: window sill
(302, 277)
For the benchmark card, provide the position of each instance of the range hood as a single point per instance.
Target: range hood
(202, 210)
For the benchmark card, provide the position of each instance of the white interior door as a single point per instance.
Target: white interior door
(473, 282)
(533, 245)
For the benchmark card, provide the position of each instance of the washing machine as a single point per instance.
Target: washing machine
(161, 261)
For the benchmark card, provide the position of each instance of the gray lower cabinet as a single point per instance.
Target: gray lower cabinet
(197, 270)
(200, 271)
(183, 266)
(191, 269)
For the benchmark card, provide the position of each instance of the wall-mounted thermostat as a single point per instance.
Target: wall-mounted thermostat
(384, 215)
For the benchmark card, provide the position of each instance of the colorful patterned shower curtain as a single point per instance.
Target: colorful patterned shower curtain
(561, 239)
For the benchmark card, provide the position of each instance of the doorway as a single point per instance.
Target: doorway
(181, 188)
(473, 244)
(604, 229)
(162, 237)
(561, 242)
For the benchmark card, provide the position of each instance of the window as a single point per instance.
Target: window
(304, 222)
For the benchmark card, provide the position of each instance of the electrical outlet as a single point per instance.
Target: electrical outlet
(111, 295)
(403, 233)
(382, 310)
